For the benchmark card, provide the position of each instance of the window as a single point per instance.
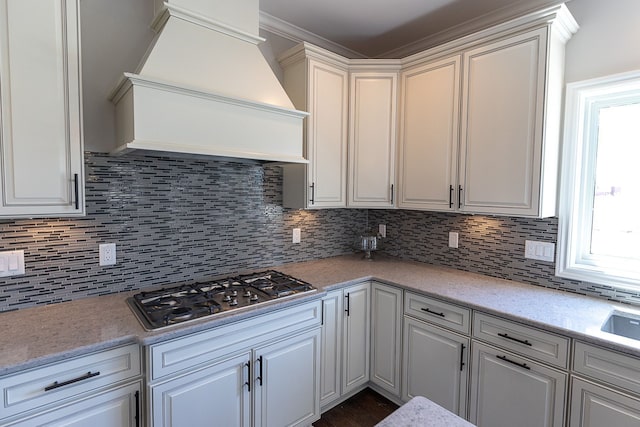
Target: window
(599, 219)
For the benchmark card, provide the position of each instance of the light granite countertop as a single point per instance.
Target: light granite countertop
(39, 335)
(420, 411)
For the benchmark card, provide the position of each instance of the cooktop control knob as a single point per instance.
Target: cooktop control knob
(234, 293)
(233, 302)
(247, 293)
(254, 297)
(226, 298)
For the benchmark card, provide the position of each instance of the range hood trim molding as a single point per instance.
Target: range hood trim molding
(204, 21)
(129, 79)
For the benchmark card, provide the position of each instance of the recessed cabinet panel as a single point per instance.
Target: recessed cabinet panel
(42, 158)
(386, 336)
(287, 381)
(596, 406)
(429, 135)
(356, 337)
(372, 139)
(508, 390)
(327, 140)
(219, 389)
(331, 350)
(502, 118)
(436, 365)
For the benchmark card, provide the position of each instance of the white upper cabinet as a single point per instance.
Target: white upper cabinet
(41, 171)
(505, 84)
(429, 135)
(372, 139)
(319, 85)
(350, 133)
(502, 116)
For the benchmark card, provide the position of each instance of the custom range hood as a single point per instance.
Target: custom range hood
(204, 87)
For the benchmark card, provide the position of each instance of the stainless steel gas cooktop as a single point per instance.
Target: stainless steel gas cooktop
(177, 304)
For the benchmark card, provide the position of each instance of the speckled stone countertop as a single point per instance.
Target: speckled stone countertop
(420, 411)
(34, 336)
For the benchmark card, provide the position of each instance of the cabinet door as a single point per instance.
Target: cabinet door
(327, 135)
(595, 406)
(372, 139)
(509, 390)
(429, 136)
(287, 381)
(217, 393)
(386, 333)
(331, 348)
(436, 365)
(502, 125)
(117, 407)
(356, 339)
(42, 160)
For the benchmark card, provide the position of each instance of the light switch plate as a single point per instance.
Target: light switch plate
(11, 263)
(542, 251)
(453, 239)
(382, 230)
(297, 235)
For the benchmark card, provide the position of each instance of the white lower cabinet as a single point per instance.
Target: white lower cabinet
(509, 390)
(287, 374)
(355, 337)
(345, 343)
(96, 389)
(223, 389)
(262, 371)
(596, 401)
(594, 406)
(331, 349)
(116, 407)
(435, 365)
(386, 335)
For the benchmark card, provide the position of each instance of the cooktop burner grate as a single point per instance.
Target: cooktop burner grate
(176, 304)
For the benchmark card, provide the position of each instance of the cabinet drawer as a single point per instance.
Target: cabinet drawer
(609, 366)
(198, 349)
(438, 312)
(58, 381)
(531, 342)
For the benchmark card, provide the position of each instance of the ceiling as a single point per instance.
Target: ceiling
(384, 28)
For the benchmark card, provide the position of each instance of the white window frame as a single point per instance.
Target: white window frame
(583, 101)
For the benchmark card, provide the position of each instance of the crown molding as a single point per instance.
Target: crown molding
(296, 34)
(471, 26)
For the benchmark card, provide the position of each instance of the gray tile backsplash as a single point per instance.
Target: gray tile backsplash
(488, 245)
(175, 219)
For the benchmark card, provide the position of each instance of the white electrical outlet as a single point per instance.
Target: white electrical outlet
(107, 253)
(382, 230)
(297, 235)
(453, 239)
(542, 251)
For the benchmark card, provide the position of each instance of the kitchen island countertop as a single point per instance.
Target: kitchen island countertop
(34, 336)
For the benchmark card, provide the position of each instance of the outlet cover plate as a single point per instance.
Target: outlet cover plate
(453, 239)
(107, 254)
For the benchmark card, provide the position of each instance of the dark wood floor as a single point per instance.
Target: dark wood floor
(365, 409)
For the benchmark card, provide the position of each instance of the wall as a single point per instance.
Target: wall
(173, 219)
(608, 39)
(488, 245)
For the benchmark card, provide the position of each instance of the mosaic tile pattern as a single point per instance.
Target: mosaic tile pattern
(173, 219)
(488, 245)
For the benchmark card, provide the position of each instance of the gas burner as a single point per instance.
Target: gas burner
(181, 303)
